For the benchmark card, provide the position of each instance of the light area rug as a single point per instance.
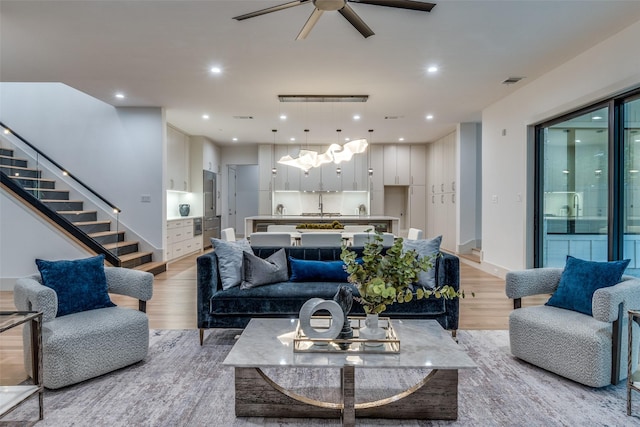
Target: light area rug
(181, 383)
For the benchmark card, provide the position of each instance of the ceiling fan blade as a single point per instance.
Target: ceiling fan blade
(356, 21)
(270, 9)
(308, 26)
(401, 4)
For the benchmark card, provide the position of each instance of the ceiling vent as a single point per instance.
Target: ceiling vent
(393, 117)
(323, 98)
(243, 117)
(512, 80)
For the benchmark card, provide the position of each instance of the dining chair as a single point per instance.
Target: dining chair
(360, 239)
(267, 238)
(228, 234)
(414, 234)
(321, 239)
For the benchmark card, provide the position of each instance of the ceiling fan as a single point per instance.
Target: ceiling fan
(345, 10)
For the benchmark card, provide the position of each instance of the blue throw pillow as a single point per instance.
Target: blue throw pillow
(580, 279)
(303, 270)
(425, 247)
(229, 256)
(80, 284)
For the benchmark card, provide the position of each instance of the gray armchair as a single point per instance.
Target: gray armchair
(591, 350)
(83, 345)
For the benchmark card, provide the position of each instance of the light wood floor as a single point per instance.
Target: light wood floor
(173, 306)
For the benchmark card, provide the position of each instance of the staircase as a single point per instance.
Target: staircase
(73, 210)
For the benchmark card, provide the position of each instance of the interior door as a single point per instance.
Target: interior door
(231, 202)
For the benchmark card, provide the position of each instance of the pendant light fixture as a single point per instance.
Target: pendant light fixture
(369, 161)
(274, 171)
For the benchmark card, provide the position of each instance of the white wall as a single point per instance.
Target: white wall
(469, 231)
(607, 68)
(119, 152)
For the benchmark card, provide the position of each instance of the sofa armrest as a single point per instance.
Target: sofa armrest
(29, 294)
(606, 300)
(207, 285)
(530, 282)
(448, 271)
(133, 283)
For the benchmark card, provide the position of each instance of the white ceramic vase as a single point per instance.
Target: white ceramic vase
(372, 331)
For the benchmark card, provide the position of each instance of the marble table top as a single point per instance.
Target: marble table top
(423, 344)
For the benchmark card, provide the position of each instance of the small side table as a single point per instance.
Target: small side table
(12, 396)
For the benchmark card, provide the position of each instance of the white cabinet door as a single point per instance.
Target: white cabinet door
(177, 160)
(418, 207)
(287, 177)
(377, 167)
(265, 164)
(331, 181)
(376, 202)
(312, 181)
(418, 162)
(397, 160)
(264, 203)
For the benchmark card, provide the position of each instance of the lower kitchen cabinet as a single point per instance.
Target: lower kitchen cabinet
(180, 239)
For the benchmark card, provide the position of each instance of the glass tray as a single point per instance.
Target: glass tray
(303, 344)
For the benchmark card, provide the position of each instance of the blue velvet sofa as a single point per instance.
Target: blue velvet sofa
(234, 307)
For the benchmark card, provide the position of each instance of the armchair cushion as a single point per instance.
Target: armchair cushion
(80, 285)
(580, 279)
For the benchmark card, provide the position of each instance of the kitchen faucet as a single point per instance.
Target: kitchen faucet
(320, 206)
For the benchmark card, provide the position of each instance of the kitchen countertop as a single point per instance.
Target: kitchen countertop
(183, 217)
(324, 218)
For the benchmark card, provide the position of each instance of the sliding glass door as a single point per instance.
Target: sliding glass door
(588, 185)
(574, 197)
(631, 142)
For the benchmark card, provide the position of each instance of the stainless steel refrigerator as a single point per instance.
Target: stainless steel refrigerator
(211, 223)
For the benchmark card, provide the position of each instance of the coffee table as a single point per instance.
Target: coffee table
(424, 344)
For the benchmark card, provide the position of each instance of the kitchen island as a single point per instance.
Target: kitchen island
(381, 223)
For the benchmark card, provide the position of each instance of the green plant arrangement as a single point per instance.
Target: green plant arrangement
(386, 279)
(335, 225)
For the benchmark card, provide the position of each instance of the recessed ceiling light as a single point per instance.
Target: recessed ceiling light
(283, 117)
(205, 116)
(234, 139)
(347, 139)
(432, 69)
(356, 117)
(400, 139)
(429, 117)
(216, 70)
(292, 139)
(119, 95)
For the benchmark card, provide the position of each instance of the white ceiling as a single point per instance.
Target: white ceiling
(159, 54)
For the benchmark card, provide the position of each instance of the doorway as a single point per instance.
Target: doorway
(243, 196)
(395, 204)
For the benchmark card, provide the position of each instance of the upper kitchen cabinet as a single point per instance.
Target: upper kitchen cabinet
(178, 171)
(354, 173)
(331, 180)
(397, 159)
(287, 177)
(205, 156)
(377, 168)
(311, 181)
(265, 164)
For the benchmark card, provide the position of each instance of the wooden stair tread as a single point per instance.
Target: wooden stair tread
(51, 190)
(91, 223)
(33, 179)
(120, 244)
(74, 212)
(19, 167)
(471, 257)
(152, 267)
(61, 201)
(134, 255)
(105, 233)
